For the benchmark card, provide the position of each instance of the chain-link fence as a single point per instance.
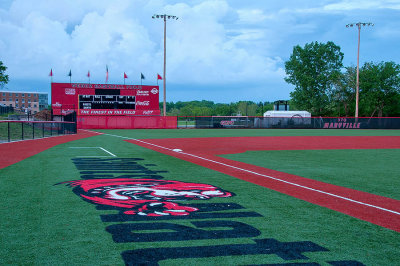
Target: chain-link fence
(24, 130)
(290, 122)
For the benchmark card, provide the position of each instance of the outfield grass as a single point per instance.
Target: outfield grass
(373, 171)
(46, 224)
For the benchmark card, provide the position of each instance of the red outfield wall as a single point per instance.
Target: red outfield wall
(126, 122)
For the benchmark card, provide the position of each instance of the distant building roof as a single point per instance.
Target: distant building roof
(1, 91)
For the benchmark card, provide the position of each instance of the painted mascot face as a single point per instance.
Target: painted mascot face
(148, 197)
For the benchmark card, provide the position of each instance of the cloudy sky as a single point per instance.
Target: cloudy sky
(219, 50)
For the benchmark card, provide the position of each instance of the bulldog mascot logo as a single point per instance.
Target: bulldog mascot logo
(148, 197)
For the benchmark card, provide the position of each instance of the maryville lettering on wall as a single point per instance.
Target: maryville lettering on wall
(150, 207)
(342, 125)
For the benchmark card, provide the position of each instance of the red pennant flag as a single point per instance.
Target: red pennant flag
(125, 76)
(88, 74)
(51, 73)
(158, 76)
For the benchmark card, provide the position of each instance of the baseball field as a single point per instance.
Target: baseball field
(202, 197)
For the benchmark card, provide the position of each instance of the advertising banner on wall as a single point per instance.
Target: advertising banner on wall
(104, 99)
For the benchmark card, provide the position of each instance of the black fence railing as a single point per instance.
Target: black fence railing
(24, 130)
(289, 122)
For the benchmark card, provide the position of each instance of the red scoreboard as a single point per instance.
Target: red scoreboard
(104, 99)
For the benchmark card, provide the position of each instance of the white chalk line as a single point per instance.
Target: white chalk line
(101, 148)
(266, 176)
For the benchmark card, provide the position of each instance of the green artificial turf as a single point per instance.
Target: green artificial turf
(46, 224)
(373, 171)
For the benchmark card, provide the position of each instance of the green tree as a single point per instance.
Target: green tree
(187, 110)
(174, 112)
(222, 110)
(202, 111)
(262, 107)
(313, 70)
(344, 93)
(3, 76)
(247, 108)
(379, 89)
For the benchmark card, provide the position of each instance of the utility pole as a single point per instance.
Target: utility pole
(165, 17)
(359, 24)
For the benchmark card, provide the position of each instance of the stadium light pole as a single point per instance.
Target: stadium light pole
(165, 17)
(359, 24)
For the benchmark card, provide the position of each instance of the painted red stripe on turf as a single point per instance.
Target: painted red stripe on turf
(13, 152)
(376, 209)
(230, 145)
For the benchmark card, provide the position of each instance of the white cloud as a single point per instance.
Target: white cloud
(88, 35)
(362, 4)
(252, 16)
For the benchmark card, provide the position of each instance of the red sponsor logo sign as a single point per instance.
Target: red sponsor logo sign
(227, 123)
(70, 91)
(143, 103)
(142, 93)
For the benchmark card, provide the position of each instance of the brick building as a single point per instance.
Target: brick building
(25, 100)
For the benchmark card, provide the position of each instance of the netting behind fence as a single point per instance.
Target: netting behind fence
(24, 130)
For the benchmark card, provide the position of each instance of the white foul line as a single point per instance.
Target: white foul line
(267, 176)
(106, 151)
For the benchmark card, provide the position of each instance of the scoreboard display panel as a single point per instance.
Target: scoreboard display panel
(106, 102)
(104, 99)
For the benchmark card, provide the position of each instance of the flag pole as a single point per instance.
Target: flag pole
(125, 77)
(51, 75)
(106, 74)
(141, 78)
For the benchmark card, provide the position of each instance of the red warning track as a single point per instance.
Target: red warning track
(376, 209)
(13, 152)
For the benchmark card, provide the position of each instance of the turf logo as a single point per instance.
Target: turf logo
(146, 197)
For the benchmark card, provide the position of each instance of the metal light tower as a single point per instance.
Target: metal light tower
(165, 17)
(359, 24)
